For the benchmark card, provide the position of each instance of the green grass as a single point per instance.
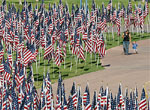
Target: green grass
(76, 2)
(92, 61)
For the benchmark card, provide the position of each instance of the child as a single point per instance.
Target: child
(134, 46)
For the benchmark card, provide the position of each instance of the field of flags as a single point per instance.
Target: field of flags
(21, 94)
(27, 32)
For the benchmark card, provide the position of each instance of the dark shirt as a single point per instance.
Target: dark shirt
(126, 37)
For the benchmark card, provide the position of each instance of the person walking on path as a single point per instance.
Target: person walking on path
(126, 41)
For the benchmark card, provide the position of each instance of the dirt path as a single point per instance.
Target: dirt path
(131, 70)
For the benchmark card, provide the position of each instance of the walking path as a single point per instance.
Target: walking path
(131, 70)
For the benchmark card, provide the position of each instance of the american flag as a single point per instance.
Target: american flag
(85, 95)
(120, 100)
(81, 51)
(79, 104)
(74, 95)
(58, 56)
(109, 5)
(130, 6)
(87, 104)
(64, 98)
(58, 96)
(29, 54)
(141, 19)
(103, 99)
(118, 23)
(143, 102)
(1, 51)
(1, 68)
(19, 78)
(9, 55)
(49, 50)
(4, 103)
(7, 70)
(146, 7)
(109, 104)
(70, 105)
(94, 102)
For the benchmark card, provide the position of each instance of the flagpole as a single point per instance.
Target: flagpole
(97, 61)
(120, 24)
(147, 23)
(37, 71)
(64, 62)
(112, 32)
(71, 62)
(76, 64)
(53, 66)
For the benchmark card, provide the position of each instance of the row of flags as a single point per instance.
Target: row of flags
(20, 93)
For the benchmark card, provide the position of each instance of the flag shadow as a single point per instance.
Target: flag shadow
(108, 65)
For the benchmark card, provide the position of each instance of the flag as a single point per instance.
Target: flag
(29, 54)
(64, 98)
(118, 23)
(79, 99)
(7, 70)
(1, 67)
(74, 95)
(143, 101)
(94, 102)
(58, 56)
(49, 49)
(109, 5)
(1, 51)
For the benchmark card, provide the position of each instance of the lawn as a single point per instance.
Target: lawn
(70, 2)
(71, 68)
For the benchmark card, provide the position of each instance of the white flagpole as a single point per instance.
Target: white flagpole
(147, 23)
(97, 61)
(37, 71)
(53, 66)
(76, 64)
(64, 62)
(112, 32)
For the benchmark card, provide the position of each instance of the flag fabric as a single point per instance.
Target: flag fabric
(143, 102)
(1, 51)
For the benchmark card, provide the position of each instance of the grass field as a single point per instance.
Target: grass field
(91, 64)
(70, 2)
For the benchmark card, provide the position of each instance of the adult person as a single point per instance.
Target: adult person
(126, 41)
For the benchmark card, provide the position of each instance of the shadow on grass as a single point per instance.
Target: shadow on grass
(70, 65)
(92, 62)
(55, 72)
(65, 75)
(38, 77)
(99, 64)
(82, 61)
(108, 65)
(66, 63)
(81, 67)
(41, 63)
(55, 68)
(86, 69)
